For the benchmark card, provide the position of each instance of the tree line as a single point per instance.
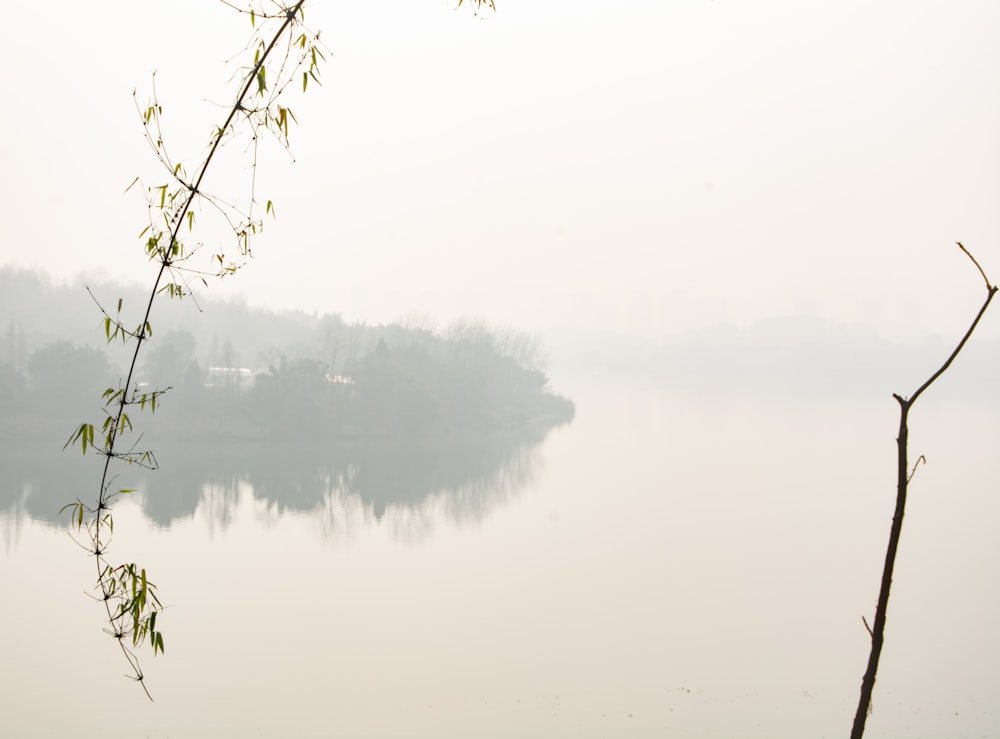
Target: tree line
(325, 377)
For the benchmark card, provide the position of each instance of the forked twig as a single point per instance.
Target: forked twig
(903, 478)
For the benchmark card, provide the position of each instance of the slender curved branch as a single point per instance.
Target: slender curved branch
(877, 632)
(112, 579)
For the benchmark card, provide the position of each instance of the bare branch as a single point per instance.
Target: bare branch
(969, 255)
(902, 481)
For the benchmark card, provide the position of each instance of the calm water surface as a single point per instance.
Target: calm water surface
(672, 563)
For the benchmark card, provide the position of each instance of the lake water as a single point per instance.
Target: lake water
(674, 562)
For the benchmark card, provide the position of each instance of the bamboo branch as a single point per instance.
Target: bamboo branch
(113, 581)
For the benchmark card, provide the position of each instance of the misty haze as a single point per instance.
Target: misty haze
(554, 394)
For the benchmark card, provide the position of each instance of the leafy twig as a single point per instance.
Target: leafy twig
(129, 597)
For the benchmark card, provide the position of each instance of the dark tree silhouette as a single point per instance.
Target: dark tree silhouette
(903, 476)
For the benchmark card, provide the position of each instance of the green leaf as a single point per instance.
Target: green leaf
(77, 513)
(84, 434)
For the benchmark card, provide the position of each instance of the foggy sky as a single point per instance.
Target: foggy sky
(645, 167)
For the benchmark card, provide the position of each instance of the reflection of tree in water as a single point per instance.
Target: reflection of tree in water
(470, 501)
(36, 481)
(407, 483)
(476, 472)
(340, 515)
(11, 517)
(219, 499)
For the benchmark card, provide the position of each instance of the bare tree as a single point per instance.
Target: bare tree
(903, 475)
